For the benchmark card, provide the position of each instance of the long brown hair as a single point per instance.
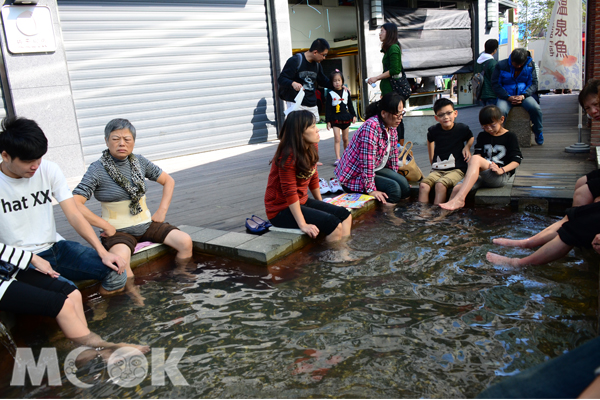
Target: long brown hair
(391, 36)
(292, 143)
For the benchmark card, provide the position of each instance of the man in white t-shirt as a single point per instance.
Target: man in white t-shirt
(27, 185)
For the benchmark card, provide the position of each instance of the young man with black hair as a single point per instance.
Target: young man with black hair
(27, 184)
(487, 63)
(515, 82)
(303, 71)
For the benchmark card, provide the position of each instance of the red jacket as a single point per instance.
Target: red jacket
(285, 187)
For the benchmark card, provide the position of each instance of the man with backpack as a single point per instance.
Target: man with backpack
(485, 68)
(303, 71)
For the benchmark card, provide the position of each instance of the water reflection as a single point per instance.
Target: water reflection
(415, 312)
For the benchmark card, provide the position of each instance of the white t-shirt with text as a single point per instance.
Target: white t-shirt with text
(26, 213)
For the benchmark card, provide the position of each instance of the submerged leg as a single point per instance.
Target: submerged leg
(553, 250)
(460, 192)
(122, 250)
(441, 193)
(77, 331)
(182, 242)
(424, 190)
(539, 239)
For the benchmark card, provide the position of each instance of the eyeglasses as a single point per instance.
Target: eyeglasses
(446, 114)
(400, 114)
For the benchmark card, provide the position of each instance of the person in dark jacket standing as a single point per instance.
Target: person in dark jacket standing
(487, 63)
(303, 71)
(515, 82)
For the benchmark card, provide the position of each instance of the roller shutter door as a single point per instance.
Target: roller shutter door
(3, 112)
(190, 75)
(2, 104)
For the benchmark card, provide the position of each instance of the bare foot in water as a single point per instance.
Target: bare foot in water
(139, 347)
(497, 259)
(133, 291)
(511, 242)
(183, 268)
(453, 204)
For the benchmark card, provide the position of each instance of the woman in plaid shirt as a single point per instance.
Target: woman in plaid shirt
(370, 163)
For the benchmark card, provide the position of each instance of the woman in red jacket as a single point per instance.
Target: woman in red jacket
(293, 173)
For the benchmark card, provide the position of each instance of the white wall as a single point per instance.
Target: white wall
(503, 52)
(307, 24)
(371, 61)
(483, 33)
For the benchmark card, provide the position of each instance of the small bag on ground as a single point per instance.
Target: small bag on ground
(407, 165)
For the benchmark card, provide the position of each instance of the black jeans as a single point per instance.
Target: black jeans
(391, 183)
(325, 216)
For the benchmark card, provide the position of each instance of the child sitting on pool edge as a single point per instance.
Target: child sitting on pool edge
(497, 156)
(448, 145)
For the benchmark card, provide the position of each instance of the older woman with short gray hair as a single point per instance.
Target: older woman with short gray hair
(117, 180)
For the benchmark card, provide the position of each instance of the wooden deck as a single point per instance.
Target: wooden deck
(220, 189)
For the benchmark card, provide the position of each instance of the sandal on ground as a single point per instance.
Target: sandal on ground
(335, 186)
(261, 221)
(254, 227)
(324, 186)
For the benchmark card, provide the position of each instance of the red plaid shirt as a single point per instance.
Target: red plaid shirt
(366, 150)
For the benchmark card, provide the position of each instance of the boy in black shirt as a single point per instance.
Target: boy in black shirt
(448, 144)
(497, 156)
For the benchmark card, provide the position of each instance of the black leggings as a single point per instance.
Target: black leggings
(582, 227)
(34, 293)
(325, 216)
(593, 182)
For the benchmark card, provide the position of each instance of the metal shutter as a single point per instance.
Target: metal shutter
(190, 75)
(3, 112)
(2, 104)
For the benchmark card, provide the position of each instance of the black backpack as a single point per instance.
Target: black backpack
(478, 79)
(288, 93)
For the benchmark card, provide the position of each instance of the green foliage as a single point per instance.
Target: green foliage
(534, 17)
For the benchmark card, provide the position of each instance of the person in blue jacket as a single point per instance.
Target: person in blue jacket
(515, 82)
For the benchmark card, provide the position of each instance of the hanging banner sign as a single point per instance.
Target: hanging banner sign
(561, 64)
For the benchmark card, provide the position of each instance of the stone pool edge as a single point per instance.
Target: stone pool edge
(256, 249)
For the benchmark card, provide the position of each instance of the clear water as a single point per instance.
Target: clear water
(417, 312)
